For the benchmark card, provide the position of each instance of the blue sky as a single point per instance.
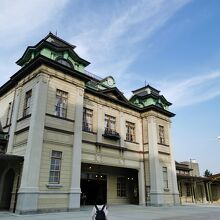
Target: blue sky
(171, 44)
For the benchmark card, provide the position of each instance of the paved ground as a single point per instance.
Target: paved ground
(131, 212)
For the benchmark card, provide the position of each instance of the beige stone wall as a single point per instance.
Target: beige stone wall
(65, 174)
(216, 193)
(4, 104)
(112, 197)
(53, 201)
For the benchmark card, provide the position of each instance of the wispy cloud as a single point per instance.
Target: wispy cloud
(193, 90)
(20, 18)
(112, 45)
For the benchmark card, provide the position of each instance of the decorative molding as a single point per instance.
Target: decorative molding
(90, 132)
(58, 130)
(166, 145)
(23, 118)
(132, 142)
(161, 152)
(54, 186)
(55, 116)
(22, 130)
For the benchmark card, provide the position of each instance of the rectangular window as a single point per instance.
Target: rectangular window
(27, 103)
(8, 119)
(130, 131)
(165, 178)
(87, 119)
(121, 186)
(110, 124)
(61, 103)
(161, 135)
(55, 167)
(188, 190)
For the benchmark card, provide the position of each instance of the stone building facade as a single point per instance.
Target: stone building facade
(193, 187)
(72, 132)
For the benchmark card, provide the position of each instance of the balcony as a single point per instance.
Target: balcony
(111, 134)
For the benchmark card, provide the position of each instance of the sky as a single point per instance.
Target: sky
(173, 45)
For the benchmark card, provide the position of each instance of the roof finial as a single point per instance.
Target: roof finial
(145, 82)
(56, 33)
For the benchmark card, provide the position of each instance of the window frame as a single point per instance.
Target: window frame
(165, 178)
(64, 62)
(87, 120)
(130, 131)
(27, 103)
(55, 158)
(9, 111)
(61, 111)
(110, 124)
(161, 132)
(121, 186)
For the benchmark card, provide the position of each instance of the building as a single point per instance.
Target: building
(193, 187)
(72, 132)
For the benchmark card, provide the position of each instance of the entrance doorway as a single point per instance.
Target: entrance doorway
(93, 186)
(7, 189)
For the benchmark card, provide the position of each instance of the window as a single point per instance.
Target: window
(8, 119)
(61, 104)
(64, 62)
(161, 135)
(188, 190)
(27, 103)
(165, 178)
(87, 119)
(110, 123)
(55, 167)
(121, 187)
(130, 131)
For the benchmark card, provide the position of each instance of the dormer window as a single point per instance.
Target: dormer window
(64, 62)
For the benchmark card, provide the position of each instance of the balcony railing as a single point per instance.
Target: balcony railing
(109, 133)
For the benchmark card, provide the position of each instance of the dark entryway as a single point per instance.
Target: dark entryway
(7, 189)
(93, 186)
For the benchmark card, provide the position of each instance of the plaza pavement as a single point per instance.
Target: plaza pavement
(130, 212)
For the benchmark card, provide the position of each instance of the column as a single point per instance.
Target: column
(141, 184)
(174, 190)
(13, 126)
(28, 192)
(156, 181)
(100, 127)
(204, 193)
(75, 191)
(141, 172)
(122, 130)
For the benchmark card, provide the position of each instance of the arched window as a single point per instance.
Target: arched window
(64, 62)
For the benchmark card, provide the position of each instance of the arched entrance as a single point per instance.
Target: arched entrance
(7, 189)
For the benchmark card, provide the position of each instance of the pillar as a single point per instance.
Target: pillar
(156, 181)
(14, 119)
(100, 126)
(122, 131)
(141, 172)
(28, 192)
(174, 190)
(141, 184)
(75, 191)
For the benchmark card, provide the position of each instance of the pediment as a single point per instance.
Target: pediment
(115, 93)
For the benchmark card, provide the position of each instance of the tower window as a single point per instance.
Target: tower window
(27, 103)
(64, 62)
(61, 104)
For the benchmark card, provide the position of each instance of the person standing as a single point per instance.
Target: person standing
(99, 211)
